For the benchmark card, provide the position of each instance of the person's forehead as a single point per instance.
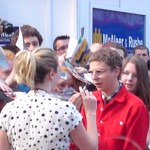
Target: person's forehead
(62, 42)
(140, 51)
(30, 39)
(131, 66)
(98, 65)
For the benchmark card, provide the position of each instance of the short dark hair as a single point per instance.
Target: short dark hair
(27, 31)
(62, 37)
(107, 55)
(142, 47)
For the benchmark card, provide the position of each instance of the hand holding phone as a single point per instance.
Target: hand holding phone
(89, 100)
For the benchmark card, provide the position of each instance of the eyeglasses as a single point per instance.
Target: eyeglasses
(62, 48)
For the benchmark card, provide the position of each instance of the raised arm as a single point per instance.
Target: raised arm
(87, 139)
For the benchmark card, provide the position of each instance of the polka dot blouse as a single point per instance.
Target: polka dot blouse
(39, 121)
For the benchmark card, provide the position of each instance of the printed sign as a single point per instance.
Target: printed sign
(82, 54)
(120, 27)
(5, 38)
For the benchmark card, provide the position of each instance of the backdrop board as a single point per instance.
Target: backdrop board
(6, 38)
(125, 28)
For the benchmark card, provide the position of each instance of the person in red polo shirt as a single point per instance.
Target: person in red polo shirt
(122, 118)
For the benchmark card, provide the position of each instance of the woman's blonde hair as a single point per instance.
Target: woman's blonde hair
(31, 67)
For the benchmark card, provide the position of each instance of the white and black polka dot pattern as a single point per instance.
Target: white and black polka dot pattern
(39, 121)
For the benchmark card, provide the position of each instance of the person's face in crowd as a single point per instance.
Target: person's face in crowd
(64, 83)
(129, 77)
(31, 42)
(142, 53)
(4, 73)
(102, 75)
(62, 46)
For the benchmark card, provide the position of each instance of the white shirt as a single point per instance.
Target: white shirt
(39, 121)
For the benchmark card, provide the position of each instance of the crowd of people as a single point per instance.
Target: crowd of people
(47, 103)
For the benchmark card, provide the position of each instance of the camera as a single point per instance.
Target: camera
(6, 27)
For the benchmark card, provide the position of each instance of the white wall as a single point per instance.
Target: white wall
(64, 18)
(57, 17)
(32, 12)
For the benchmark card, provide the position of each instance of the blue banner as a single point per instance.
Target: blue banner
(124, 28)
(6, 38)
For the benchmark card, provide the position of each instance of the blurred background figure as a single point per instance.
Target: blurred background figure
(60, 44)
(31, 37)
(142, 51)
(11, 47)
(70, 81)
(9, 56)
(67, 80)
(95, 47)
(4, 73)
(117, 47)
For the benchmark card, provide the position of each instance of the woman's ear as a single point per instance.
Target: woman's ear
(51, 73)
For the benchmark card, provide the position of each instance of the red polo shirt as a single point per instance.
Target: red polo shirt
(123, 123)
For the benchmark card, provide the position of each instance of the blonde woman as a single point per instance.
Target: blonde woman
(39, 120)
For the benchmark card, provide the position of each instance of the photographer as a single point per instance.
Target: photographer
(6, 27)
